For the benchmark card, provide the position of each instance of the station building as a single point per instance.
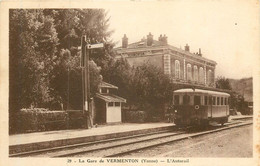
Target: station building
(182, 66)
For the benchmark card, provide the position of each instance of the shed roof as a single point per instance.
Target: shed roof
(110, 98)
(189, 90)
(107, 85)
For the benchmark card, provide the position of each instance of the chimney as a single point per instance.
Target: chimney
(160, 38)
(187, 48)
(200, 52)
(124, 41)
(164, 39)
(149, 39)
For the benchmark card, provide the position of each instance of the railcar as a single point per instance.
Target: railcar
(199, 107)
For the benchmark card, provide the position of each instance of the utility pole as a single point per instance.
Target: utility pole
(85, 53)
(84, 65)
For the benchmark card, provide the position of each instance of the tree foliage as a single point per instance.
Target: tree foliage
(237, 101)
(145, 87)
(119, 73)
(223, 83)
(151, 88)
(33, 41)
(44, 57)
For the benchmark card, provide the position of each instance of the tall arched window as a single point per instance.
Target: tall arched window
(177, 69)
(201, 75)
(195, 73)
(167, 64)
(189, 73)
(210, 76)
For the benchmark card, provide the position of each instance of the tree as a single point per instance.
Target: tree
(32, 45)
(33, 41)
(71, 25)
(145, 87)
(43, 56)
(223, 83)
(152, 88)
(237, 101)
(119, 73)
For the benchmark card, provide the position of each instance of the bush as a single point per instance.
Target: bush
(40, 119)
(135, 116)
(76, 118)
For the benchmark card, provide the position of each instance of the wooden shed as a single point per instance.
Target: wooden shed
(108, 106)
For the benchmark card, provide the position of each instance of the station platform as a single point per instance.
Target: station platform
(40, 140)
(237, 117)
(19, 143)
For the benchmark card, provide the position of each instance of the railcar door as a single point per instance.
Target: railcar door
(197, 106)
(187, 112)
(210, 107)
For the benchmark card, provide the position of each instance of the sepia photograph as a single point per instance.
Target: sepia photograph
(133, 83)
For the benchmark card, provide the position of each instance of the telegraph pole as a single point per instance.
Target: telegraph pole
(85, 53)
(82, 65)
(85, 70)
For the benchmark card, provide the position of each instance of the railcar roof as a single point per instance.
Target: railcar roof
(201, 91)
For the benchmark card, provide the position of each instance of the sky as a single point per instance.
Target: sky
(226, 32)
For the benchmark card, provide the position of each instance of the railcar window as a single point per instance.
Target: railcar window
(221, 100)
(214, 100)
(210, 100)
(186, 100)
(176, 99)
(196, 100)
(217, 100)
(206, 100)
(225, 101)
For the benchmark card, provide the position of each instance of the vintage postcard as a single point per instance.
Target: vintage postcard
(130, 82)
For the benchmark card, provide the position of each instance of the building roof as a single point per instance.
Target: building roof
(110, 98)
(188, 90)
(107, 85)
(141, 46)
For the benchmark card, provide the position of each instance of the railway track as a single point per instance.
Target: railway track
(49, 151)
(179, 138)
(125, 145)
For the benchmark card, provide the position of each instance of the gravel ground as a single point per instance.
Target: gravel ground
(237, 142)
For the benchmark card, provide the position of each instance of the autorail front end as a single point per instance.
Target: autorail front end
(187, 115)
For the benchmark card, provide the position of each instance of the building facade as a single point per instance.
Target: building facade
(182, 66)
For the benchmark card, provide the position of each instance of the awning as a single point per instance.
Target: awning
(110, 98)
